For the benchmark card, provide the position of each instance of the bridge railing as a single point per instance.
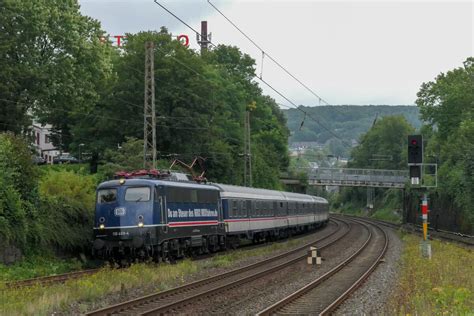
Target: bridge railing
(350, 175)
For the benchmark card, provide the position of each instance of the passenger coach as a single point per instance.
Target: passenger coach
(258, 214)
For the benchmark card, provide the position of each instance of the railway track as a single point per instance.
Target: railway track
(326, 293)
(417, 229)
(170, 301)
(51, 279)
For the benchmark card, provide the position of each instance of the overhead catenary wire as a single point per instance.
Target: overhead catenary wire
(261, 79)
(265, 53)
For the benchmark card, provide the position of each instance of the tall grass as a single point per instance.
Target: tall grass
(443, 285)
(87, 292)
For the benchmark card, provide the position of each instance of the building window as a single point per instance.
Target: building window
(47, 139)
(37, 138)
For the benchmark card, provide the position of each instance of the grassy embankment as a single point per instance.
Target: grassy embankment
(443, 285)
(88, 291)
(36, 266)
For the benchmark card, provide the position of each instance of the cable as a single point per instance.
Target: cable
(306, 113)
(271, 58)
(276, 91)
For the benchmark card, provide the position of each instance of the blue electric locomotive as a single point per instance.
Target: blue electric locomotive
(167, 219)
(141, 218)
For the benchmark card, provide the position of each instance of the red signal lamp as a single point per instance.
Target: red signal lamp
(414, 142)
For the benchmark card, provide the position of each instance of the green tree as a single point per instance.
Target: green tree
(384, 145)
(53, 65)
(449, 100)
(446, 105)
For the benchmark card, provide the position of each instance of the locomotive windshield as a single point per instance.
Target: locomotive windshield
(106, 196)
(138, 194)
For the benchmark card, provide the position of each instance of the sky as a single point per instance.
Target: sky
(347, 52)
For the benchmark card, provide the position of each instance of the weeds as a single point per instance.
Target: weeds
(443, 285)
(87, 292)
(37, 266)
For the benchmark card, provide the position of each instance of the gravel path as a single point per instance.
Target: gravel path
(372, 297)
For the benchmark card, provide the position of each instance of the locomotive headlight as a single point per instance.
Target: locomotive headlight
(122, 181)
(101, 226)
(140, 220)
(140, 224)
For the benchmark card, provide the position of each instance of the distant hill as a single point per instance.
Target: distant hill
(346, 121)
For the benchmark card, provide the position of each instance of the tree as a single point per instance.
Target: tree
(384, 145)
(446, 105)
(449, 100)
(53, 65)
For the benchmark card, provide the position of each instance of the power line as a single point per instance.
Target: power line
(305, 113)
(265, 53)
(275, 90)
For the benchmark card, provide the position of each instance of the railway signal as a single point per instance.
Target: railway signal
(415, 157)
(415, 149)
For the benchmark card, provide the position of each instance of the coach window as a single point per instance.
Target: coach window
(248, 208)
(106, 196)
(139, 194)
(234, 211)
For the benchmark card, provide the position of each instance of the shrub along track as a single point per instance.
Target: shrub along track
(326, 293)
(175, 299)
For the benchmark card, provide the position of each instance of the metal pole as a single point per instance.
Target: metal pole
(149, 115)
(249, 150)
(424, 215)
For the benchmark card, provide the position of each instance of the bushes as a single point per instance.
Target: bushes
(51, 209)
(67, 209)
(17, 189)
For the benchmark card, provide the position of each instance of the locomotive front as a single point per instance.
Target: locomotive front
(125, 224)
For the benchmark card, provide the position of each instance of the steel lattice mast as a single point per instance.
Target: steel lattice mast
(149, 117)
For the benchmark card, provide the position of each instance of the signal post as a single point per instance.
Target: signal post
(415, 163)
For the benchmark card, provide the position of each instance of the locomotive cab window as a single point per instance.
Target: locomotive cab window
(106, 196)
(138, 194)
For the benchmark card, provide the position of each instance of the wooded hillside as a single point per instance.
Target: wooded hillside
(348, 122)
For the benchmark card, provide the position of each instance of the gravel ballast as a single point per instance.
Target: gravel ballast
(372, 297)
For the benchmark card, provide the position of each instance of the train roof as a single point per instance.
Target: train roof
(246, 192)
(233, 191)
(226, 190)
(147, 182)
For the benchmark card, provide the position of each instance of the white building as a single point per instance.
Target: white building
(42, 142)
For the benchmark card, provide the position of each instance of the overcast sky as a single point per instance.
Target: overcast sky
(348, 52)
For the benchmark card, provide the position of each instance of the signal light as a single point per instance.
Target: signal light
(415, 149)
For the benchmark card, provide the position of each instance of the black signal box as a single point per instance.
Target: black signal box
(415, 149)
(415, 172)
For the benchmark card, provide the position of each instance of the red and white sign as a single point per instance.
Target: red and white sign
(121, 40)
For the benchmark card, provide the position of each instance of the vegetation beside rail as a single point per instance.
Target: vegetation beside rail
(88, 292)
(441, 286)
